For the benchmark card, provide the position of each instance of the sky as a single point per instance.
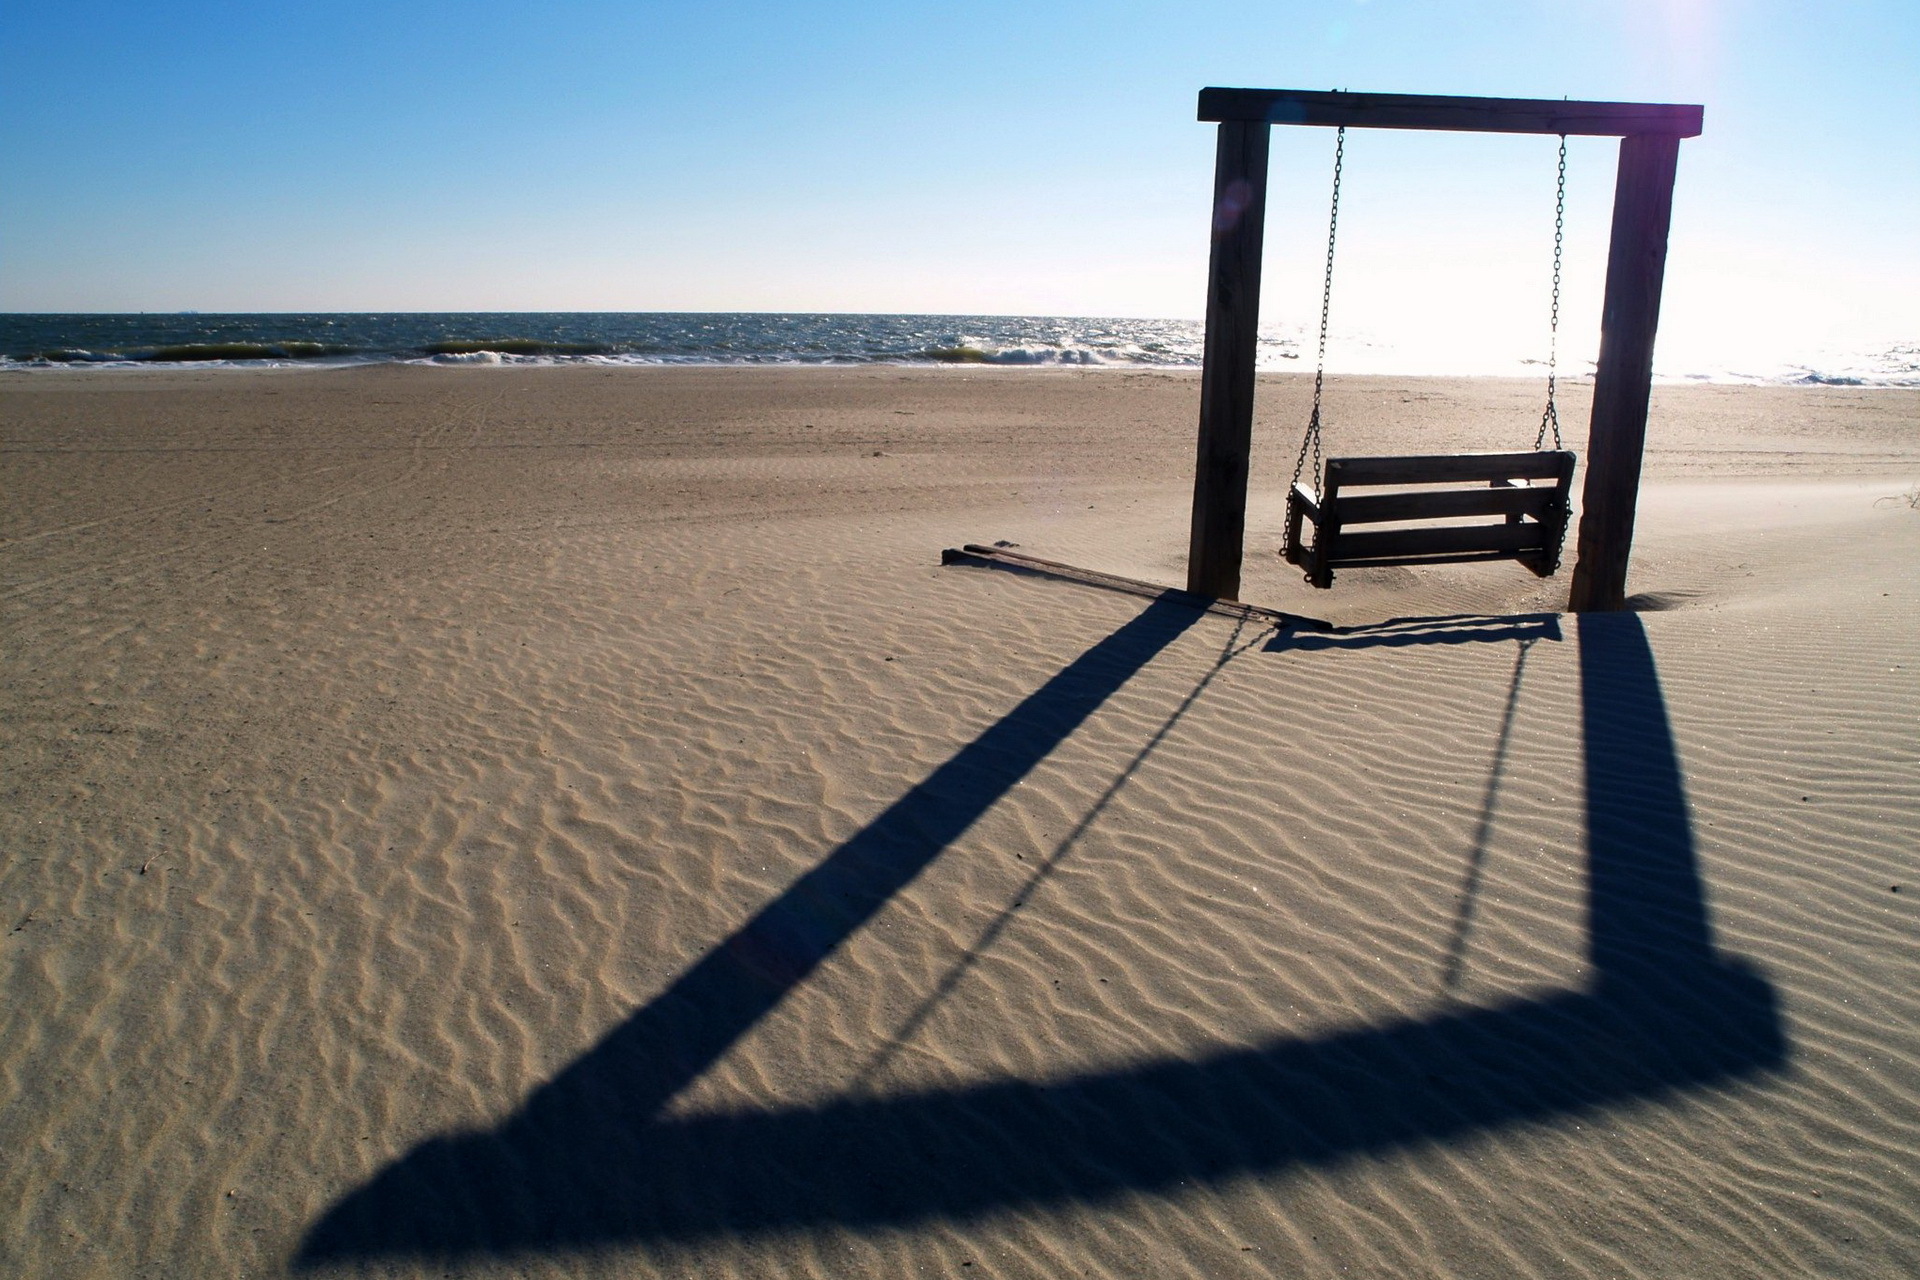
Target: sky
(982, 158)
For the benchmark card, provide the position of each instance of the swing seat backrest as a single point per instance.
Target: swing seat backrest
(1531, 519)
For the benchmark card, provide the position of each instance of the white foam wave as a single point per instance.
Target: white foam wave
(1047, 355)
(1286, 345)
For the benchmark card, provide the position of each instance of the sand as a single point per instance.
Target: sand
(566, 822)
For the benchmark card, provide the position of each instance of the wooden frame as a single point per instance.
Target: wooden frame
(1650, 136)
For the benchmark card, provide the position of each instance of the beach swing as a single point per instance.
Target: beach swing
(1525, 493)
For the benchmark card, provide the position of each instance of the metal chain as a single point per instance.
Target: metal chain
(1312, 438)
(1550, 419)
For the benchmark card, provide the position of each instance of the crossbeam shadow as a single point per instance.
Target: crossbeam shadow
(589, 1160)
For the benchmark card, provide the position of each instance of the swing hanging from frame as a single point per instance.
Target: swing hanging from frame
(1526, 495)
(1649, 135)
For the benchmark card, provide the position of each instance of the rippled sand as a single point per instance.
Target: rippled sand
(565, 822)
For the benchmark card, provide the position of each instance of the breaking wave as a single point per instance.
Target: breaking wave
(742, 338)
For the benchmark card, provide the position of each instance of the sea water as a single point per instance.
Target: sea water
(744, 338)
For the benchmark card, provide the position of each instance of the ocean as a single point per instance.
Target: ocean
(47, 341)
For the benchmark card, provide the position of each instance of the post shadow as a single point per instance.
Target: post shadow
(590, 1160)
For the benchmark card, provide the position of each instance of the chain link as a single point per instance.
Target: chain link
(1550, 419)
(1312, 439)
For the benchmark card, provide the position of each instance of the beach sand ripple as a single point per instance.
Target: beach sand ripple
(566, 822)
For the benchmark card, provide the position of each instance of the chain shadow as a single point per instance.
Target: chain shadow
(590, 1160)
(1483, 827)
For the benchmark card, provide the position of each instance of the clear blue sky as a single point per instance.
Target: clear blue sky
(978, 157)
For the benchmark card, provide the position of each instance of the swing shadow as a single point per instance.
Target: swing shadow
(591, 1159)
(1401, 633)
(1446, 629)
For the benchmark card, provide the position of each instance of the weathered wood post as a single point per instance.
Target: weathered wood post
(1226, 379)
(1623, 379)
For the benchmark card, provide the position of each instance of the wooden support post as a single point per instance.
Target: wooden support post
(1623, 380)
(1226, 376)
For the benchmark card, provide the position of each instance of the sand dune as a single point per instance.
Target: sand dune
(566, 822)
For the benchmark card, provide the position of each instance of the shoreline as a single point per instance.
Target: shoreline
(104, 368)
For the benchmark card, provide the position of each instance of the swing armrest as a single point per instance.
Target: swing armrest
(1303, 501)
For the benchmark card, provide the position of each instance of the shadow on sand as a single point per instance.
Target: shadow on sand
(1401, 633)
(591, 1159)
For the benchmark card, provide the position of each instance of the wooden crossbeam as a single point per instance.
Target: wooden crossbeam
(1471, 115)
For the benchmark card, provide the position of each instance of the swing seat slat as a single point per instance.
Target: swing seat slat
(1531, 528)
(1445, 468)
(1376, 508)
(1447, 540)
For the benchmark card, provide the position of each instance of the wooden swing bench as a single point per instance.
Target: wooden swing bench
(1531, 528)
